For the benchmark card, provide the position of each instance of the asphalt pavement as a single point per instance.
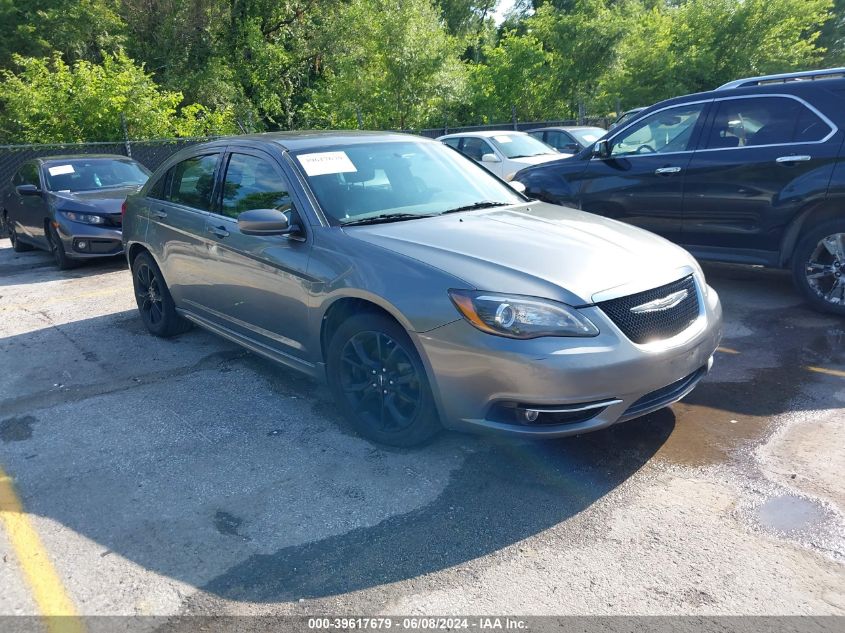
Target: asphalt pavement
(187, 476)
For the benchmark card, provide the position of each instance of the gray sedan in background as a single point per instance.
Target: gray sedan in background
(70, 205)
(423, 289)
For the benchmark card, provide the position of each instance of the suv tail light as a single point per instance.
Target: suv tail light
(123, 210)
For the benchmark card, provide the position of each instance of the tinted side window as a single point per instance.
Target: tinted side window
(475, 148)
(558, 139)
(192, 182)
(161, 188)
(253, 183)
(453, 142)
(764, 121)
(29, 175)
(663, 132)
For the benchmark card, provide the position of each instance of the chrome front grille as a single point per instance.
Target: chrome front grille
(656, 314)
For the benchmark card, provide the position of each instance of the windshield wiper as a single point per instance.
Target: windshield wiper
(387, 217)
(486, 204)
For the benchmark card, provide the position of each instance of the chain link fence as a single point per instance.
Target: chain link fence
(153, 153)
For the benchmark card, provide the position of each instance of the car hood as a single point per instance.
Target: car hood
(106, 201)
(536, 249)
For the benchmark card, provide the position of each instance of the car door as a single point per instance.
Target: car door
(177, 207)
(31, 210)
(762, 159)
(641, 180)
(260, 287)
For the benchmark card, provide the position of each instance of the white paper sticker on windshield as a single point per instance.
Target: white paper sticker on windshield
(60, 170)
(322, 163)
(503, 139)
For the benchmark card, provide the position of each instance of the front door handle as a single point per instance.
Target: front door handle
(160, 214)
(219, 231)
(663, 171)
(793, 159)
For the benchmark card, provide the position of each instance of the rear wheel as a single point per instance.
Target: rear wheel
(58, 250)
(378, 379)
(158, 312)
(818, 267)
(17, 245)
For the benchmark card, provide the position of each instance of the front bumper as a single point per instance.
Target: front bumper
(589, 383)
(87, 241)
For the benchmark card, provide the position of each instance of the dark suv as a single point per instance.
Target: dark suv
(752, 172)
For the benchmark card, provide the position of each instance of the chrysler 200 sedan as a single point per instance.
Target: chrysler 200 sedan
(70, 205)
(424, 290)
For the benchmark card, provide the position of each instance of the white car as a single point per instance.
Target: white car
(502, 152)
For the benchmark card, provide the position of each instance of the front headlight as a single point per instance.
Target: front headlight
(84, 218)
(521, 317)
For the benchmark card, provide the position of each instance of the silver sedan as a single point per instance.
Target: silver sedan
(424, 290)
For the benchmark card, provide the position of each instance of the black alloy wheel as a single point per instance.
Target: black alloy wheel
(819, 267)
(378, 379)
(158, 312)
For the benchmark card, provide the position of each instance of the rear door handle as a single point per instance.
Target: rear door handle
(219, 231)
(160, 214)
(793, 159)
(662, 171)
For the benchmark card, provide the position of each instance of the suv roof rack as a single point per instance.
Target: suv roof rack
(807, 75)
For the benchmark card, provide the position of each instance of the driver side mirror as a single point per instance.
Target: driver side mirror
(28, 190)
(266, 222)
(601, 149)
(490, 158)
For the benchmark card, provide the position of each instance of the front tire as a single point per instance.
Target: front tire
(380, 383)
(158, 312)
(818, 267)
(57, 248)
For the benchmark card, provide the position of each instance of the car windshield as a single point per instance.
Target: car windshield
(588, 135)
(398, 180)
(520, 145)
(86, 174)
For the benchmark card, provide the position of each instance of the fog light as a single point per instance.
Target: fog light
(530, 416)
(82, 245)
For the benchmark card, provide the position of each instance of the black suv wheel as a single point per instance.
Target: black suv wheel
(818, 266)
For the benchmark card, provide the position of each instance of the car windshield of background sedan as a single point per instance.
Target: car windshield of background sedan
(382, 182)
(588, 135)
(521, 146)
(93, 173)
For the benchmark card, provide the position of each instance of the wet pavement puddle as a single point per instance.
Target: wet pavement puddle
(790, 514)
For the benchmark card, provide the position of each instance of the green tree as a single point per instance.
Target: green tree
(832, 36)
(398, 70)
(49, 101)
(700, 44)
(78, 29)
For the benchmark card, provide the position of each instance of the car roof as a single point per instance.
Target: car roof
(482, 133)
(567, 128)
(313, 139)
(66, 157)
(789, 88)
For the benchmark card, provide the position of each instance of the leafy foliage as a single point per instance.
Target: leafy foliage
(47, 101)
(69, 69)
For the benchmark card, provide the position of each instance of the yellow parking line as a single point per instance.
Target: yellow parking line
(44, 583)
(727, 350)
(824, 370)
